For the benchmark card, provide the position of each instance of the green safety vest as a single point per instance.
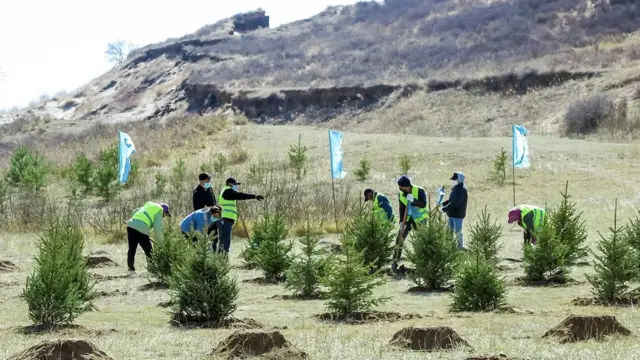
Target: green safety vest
(378, 211)
(229, 207)
(423, 212)
(147, 213)
(538, 216)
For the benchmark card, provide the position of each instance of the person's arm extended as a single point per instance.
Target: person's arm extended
(384, 203)
(157, 226)
(421, 201)
(231, 194)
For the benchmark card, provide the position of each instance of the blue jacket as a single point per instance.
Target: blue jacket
(384, 203)
(199, 220)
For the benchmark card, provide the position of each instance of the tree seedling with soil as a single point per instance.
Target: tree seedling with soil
(303, 276)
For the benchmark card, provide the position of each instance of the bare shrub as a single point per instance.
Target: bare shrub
(586, 116)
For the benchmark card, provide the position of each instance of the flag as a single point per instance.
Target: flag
(125, 150)
(440, 195)
(520, 147)
(337, 156)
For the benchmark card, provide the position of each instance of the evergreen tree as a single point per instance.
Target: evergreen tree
(547, 258)
(484, 238)
(434, 253)
(371, 236)
(83, 170)
(632, 236)
(350, 284)
(60, 288)
(615, 266)
(303, 276)
(570, 228)
(273, 252)
(298, 158)
(479, 287)
(201, 287)
(172, 250)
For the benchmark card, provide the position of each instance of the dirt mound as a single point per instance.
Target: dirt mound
(186, 321)
(116, 292)
(421, 290)
(579, 328)
(262, 281)
(367, 317)
(156, 285)
(492, 357)
(98, 261)
(7, 266)
(266, 344)
(627, 300)
(99, 277)
(315, 296)
(427, 339)
(62, 350)
(552, 281)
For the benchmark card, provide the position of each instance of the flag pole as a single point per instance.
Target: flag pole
(333, 183)
(513, 163)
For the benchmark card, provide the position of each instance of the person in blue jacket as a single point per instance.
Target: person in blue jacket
(202, 221)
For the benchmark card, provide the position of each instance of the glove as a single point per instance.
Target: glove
(259, 197)
(410, 198)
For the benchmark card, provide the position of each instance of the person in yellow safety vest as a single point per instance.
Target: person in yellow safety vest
(227, 200)
(381, 205)
(530, 218)
(139, 229)
(413, 200)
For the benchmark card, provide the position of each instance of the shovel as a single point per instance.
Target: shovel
(397, 254)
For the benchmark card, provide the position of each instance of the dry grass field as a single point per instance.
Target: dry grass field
(128, 323)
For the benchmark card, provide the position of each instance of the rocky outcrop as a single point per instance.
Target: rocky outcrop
(185, 50)
(322, 104)
(250, 21)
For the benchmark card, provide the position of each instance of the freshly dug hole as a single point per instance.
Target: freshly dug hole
(427, 339)
(266, 344)
(62, 350)
(492, 357)
(581, 328)
(98, 261)
(367, 317)
(7, 266)
(156, 285)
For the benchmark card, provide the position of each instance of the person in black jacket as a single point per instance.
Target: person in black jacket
(203, 193)
(456, 206)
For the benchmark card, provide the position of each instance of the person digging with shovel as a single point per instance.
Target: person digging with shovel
(530, 218)
(414, 211)
(139, 228)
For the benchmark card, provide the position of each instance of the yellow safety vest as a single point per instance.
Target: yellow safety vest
(538, 216)
(378, 211)
(423, 212)
(147, 213)
(229, 207)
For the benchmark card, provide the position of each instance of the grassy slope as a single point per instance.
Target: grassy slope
(598, 173)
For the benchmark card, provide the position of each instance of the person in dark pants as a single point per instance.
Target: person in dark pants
(413, 202)
(139, 228)
(203, 193)
(203, 220)
(228, 197)
(456, 206)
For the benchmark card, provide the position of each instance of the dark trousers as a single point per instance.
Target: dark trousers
(225, 227)
(410, 224)
(135, 237)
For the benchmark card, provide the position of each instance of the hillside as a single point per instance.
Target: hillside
(450, 67)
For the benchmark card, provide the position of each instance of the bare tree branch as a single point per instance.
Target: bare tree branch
(117, 51)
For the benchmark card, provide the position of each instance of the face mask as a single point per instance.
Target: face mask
(235, 187)
(207, 185)
(454, 183)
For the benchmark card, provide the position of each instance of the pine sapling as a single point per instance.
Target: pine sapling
(371, 235)
(350, 284)
(298, 158)
(434, 254)
(632, 236)
(172, 250)
(615, 266)
(484, 238)
(60, 288)
(202, 289)
(303, 276)
(570, 228)
(546, 261)
(479, 287)
(405, 164)
(500, 167)
(273, 253)
(362, 173)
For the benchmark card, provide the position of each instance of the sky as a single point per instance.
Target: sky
(47, 46)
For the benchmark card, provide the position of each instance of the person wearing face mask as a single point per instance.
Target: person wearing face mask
(456, 206)
(202, 221)
(203, 193)
(228, 198)
(413, 201)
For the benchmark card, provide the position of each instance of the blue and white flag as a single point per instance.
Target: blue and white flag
(520, 147)
(337, 156)
(125, 150)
